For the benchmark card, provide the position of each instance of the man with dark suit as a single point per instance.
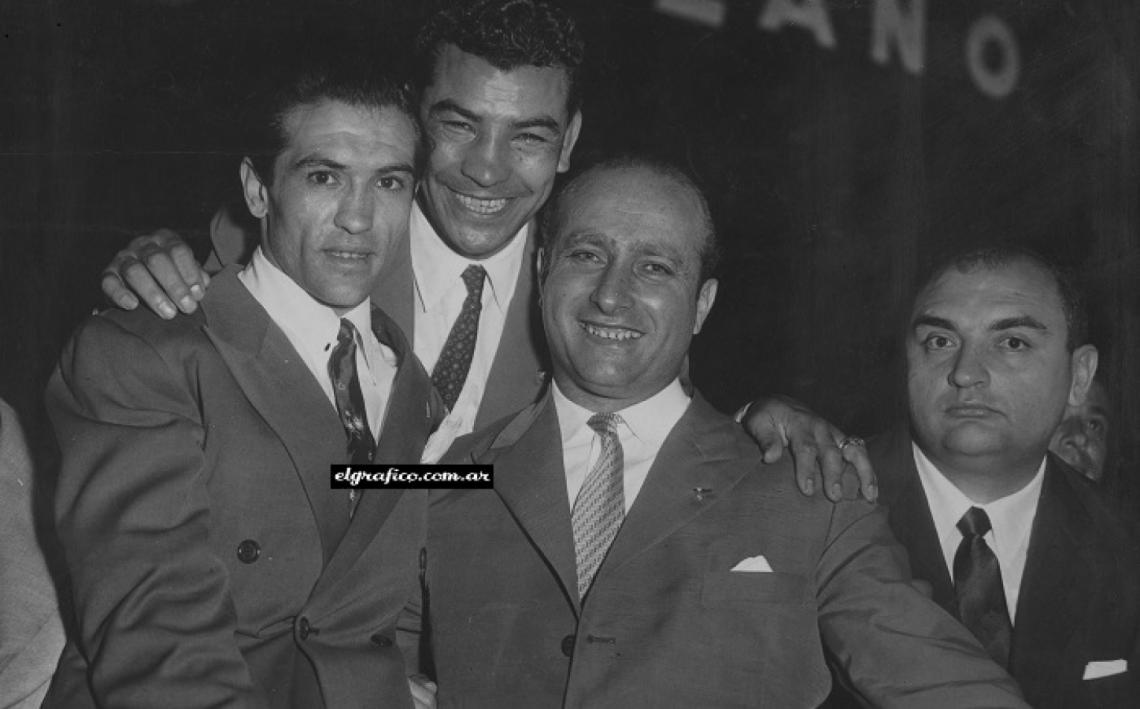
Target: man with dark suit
(500, 108)
(1050, 580)
(629, 555)
(212, 564)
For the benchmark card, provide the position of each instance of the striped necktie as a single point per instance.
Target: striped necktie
(600, 505)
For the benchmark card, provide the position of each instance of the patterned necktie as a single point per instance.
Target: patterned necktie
(350, 401)
(977, 582)
(600, 505)
(455, 359)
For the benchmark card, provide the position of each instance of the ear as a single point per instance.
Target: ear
(1082, 366)
(256, 193)
(705, 300)
(569, 139)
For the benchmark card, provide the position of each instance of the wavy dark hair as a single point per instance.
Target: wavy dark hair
(339, 78)
(507, 34)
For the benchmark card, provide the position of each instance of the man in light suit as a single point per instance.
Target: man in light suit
(720, 587)
(501, 113)
(996, 349)
(212, 563)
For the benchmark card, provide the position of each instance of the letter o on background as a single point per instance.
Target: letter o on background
(999, 81)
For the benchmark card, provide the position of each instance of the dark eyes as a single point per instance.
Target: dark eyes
(531, 139)
(1015, 344)
(658, 269)
(584, 256)
(393, 184)
(458, 126)
(937, 342)
(321, 177)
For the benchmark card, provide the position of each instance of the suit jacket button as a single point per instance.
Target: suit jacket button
(568, 646)
(381, 640)
(304, 628)
(248, 551)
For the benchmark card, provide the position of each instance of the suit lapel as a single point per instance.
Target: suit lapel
(909, 514)
(1053, 599)
(701, 452)
(516, 371)
(282, 389)
(531, 481)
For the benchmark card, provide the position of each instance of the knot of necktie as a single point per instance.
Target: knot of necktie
(975, 523)
(604, 424)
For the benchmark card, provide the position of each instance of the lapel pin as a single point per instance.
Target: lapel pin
(701, 492)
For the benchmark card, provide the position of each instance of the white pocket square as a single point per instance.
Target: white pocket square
(1105, 668)
(754, 564)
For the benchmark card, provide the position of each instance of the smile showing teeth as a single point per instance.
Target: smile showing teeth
(481, 206)
(611, 333)
(354, 255)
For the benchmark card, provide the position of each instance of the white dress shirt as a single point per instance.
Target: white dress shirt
(311, 327)
(1011, 520)
(440, 293)
(643, 430)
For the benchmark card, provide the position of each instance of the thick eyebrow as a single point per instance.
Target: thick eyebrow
(932, 321)
(1019, 321)
(318, 162)
(449, 106)
(541, 122)
(311, 162)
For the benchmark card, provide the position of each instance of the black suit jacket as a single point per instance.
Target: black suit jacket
(1079, 600)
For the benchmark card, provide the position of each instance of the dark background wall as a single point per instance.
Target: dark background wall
(833, 175)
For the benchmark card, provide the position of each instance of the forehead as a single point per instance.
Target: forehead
(633, 207)
(360, 136)
(477, 85)
(985, 294)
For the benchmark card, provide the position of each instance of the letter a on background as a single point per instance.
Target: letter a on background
(807, 14)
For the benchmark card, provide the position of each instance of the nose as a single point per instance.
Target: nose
(1075, 436)
(354, 212)
(613, 291)
(486, 161)
(969, 368)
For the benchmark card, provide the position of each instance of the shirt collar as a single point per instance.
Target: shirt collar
(291, 306)
(649, 421)
(1011, 516)
(437, 268)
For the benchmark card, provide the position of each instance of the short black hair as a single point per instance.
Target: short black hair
(709, 250)
(368, 84)
(507, 34)
(1002, 255)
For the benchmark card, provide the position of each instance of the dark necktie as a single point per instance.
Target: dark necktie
(350, 400)
(600, 505)
(977, 583)
(455, 359)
